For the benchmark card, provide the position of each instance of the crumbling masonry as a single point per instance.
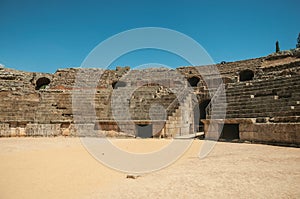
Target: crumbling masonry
(262, 101)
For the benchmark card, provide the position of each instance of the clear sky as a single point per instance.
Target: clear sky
(42, 36)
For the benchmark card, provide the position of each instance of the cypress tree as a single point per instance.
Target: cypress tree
(277, 47)
(298, 41)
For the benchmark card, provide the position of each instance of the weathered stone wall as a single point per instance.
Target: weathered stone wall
(37, 104)
(284, 133)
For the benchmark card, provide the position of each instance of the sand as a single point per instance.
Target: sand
(62, 168)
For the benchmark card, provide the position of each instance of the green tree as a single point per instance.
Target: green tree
(277, 47)
(298, 41)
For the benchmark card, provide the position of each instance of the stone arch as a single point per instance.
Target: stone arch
(41, 83)
(246, 75)
(193, 81)
(118, 84)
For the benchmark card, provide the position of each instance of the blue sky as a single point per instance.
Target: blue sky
(43, 36)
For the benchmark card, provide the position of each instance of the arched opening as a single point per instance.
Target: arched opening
(193, 81)
(246, 75)
(42, 83)
(202, 110)
(118, 84)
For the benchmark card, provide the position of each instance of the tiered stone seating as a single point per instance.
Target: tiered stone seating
(141, 101)
(278, 97)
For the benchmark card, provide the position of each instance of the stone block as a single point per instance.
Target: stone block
(246, 127)
(4, 130)
(83, 130)
(246, 136)
(43, 130)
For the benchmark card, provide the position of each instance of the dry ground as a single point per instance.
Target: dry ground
(61, 168)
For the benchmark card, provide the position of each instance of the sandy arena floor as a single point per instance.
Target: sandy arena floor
(61, 168)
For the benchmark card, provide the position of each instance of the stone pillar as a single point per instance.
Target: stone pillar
(212, 129)
(4, 130)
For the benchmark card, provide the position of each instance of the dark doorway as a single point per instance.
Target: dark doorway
(144, 130)
(118, 84)
(196, 118)
(193, 81)
(230, 132)
(41, 83)
(246, 75)
(202, 107)
(202, 110)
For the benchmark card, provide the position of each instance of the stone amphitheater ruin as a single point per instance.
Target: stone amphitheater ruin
(262, 101)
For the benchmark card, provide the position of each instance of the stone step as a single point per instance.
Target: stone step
(274, 83)
(261, 92)
(266, 114)
(258, 100)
